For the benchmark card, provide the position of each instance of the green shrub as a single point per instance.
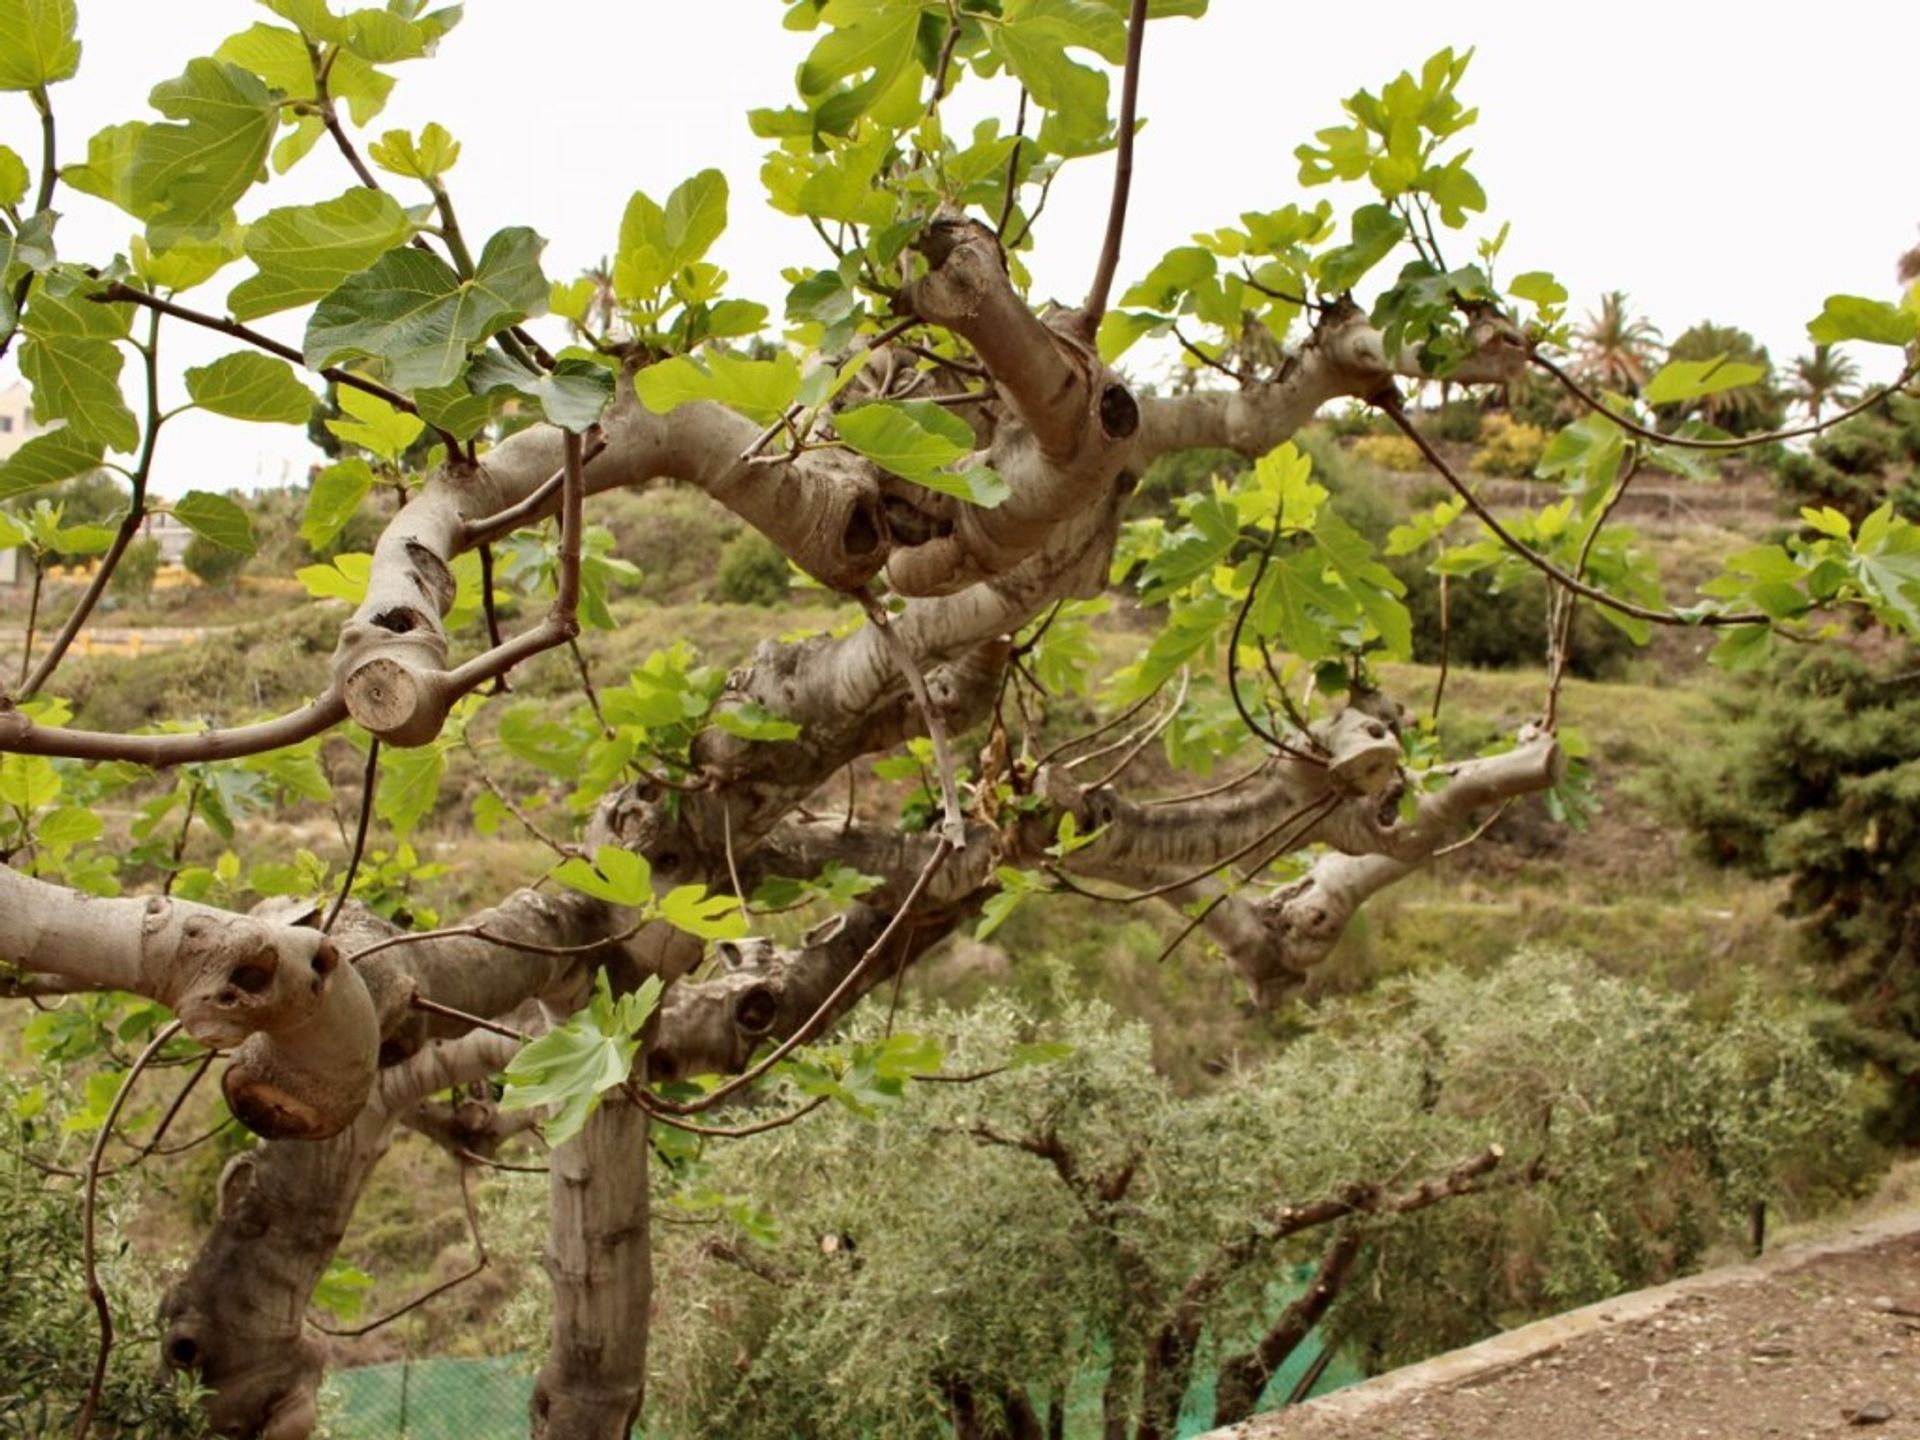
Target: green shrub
(48, 1330)
(1390, 452)
(133, 577)
(753, 571)
(1816, 778)
(1508, 447)
(1502, 629)
(856, 1263)
(1860, 464)
(214, 566)
(1459, 421)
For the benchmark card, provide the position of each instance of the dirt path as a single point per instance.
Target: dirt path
(1818, 1340)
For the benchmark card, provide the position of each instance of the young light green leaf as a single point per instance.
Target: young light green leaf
(527, 733)
(751, 720)
(695, 216)
(304, 251)
(13, 177)
(409, 785)
(1849, 317)
(428, 158)
(761, 390)
(1119, 329)
(1690, 379)
(342, 1291)
(336, 494)
(617, 875)
(343, 579)
(215, 518)
(1376, 230)
(572, 1065)
(1539, 287)
(251, 386)
(917, 441)
(710, 917)
(376, 425)
(37, 47)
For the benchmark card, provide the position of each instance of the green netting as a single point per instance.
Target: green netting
(487, 1399)
(432, 1400)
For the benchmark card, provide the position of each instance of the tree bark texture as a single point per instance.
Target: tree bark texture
(600, 1265)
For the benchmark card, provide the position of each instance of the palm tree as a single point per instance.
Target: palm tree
(1615, 349)
(1820, 378)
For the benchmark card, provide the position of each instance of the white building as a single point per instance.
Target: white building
(16, 427)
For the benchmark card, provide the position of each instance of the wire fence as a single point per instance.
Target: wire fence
(452, 1399)
(488, 1399)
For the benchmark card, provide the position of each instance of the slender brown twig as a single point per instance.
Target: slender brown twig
(475, 1158)
(1744, 442)
(492, 612)
(492, 937)
(1145, 738)
(370, 781)
(533, 507)
(1389, 404)
(811, 1025)
(1096, 305)
(1446, 648)
(513, 808)
(480, 1262)
(95, 1291)
(1562, 639)
(1013, 167)
(586, 687)
(129, 527)
(434, 1007)
(723, 1132)
(1233, 661)
(118, 292)
(955, 825)
(1111, 725)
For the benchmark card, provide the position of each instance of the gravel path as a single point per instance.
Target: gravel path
(1822, 1340)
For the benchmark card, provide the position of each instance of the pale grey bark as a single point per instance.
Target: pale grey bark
(237, 1317)
(600, 1265)
(301, 1024)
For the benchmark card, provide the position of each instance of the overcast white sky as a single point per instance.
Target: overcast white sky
(1733, 162)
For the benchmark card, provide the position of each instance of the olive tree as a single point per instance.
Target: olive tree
(918, 435)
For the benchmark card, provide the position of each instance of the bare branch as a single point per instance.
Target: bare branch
(22, 736)
(1389, 403)
(1096, 305)
(1740, 442)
